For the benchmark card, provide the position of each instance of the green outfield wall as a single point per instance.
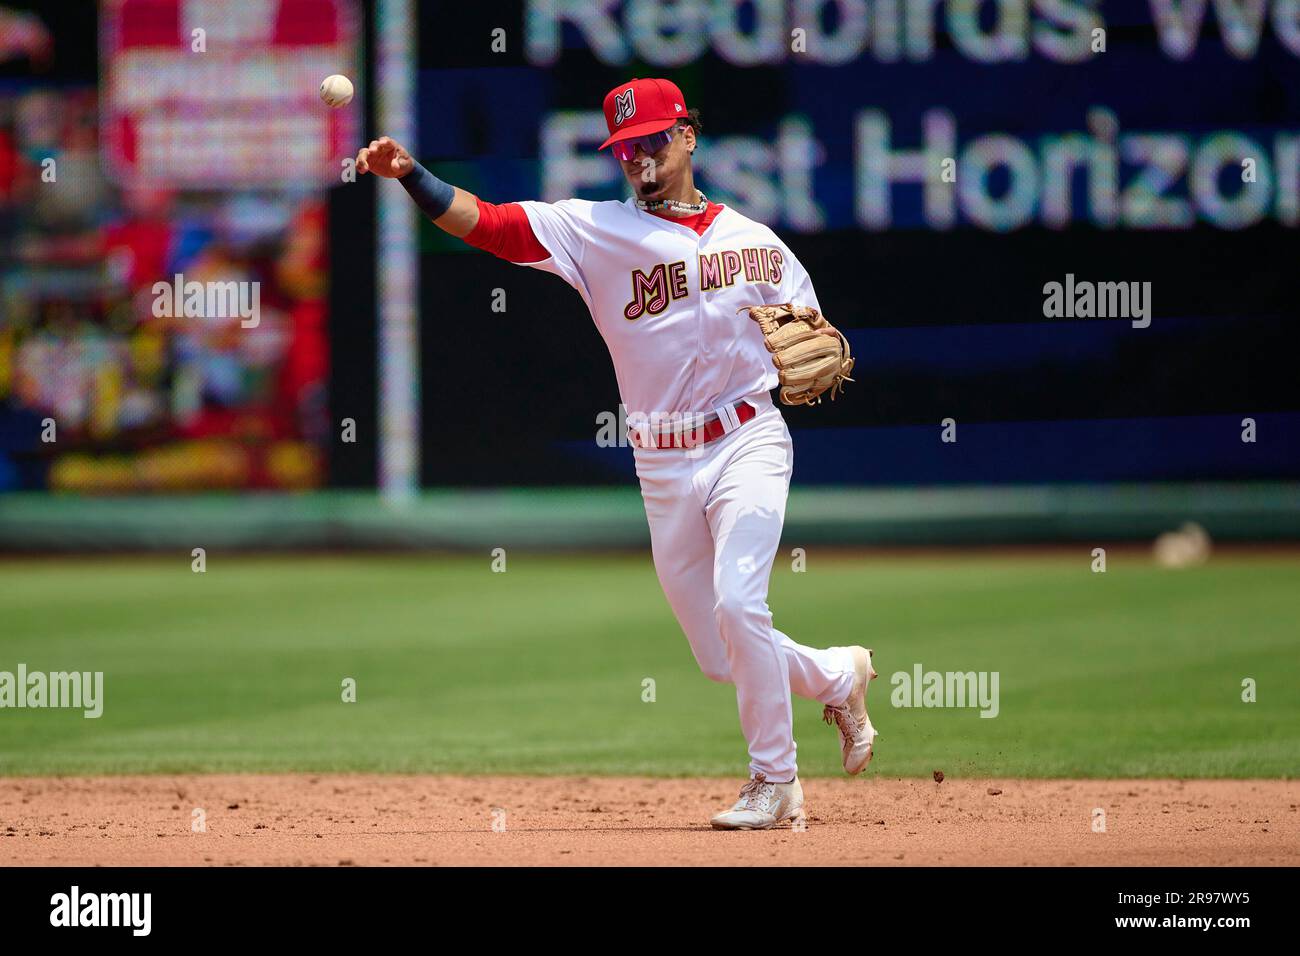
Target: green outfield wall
(612, 518)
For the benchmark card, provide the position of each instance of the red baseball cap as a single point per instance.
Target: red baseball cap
(641, 107)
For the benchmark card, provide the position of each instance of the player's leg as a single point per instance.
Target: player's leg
(681, 543)
(753, 487)
(746, 534)
(746, 511)
(823, 674)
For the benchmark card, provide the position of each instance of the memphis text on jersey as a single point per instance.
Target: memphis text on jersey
(652, 291)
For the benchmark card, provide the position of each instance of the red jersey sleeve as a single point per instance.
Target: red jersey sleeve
(506, 232)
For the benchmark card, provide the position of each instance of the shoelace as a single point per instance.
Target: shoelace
(757, 794)
(841, 716)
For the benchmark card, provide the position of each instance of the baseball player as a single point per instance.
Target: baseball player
(668, 276)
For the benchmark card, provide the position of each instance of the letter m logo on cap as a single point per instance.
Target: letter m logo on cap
(624, 107)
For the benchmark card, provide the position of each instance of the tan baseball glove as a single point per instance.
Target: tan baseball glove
(809, 361)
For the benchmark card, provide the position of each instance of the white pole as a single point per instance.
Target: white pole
(397, 257)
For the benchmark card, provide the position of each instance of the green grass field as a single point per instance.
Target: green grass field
(1135, 672)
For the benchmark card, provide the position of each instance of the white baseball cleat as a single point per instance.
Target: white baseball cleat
(763, 805)
(857, 736)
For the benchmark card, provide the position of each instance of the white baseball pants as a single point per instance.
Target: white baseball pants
(715, 513)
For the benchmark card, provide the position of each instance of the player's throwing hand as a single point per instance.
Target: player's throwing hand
(385, 157)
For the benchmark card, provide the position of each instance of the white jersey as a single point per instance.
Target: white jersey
(665, 298)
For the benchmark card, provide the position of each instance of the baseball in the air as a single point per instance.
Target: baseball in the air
(336, 90)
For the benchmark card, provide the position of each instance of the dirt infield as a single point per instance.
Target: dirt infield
(363, 820)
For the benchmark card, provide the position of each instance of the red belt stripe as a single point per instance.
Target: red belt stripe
(689, 438)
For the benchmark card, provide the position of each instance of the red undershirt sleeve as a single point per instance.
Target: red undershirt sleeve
(505, 232)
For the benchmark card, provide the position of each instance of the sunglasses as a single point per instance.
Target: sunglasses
(625, 150)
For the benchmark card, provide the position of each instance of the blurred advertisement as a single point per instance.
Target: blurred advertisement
(163, 295)
(194, 92)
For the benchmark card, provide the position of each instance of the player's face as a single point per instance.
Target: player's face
(658, 174)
